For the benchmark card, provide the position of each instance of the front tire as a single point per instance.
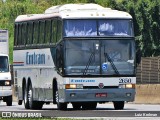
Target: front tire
(60, 106)
(89, 106)
(9, 100)
(26, 101)
(54, 93)
(118, 105)
(19, 102)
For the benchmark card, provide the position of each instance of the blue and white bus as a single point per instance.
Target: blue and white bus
(81, 54)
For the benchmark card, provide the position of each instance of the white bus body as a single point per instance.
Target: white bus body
(5, 75)
(44, 71)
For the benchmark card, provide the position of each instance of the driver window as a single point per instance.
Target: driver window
(115, 54)
(3, 64)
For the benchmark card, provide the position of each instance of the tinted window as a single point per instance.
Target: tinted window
(53, 31)
(16, 35)
(4, 67)
(35, 32)
(30, 31)
(19, 34)
(114, 27)
(101, 27)
(48, 32)
(24, 31)
(80, 28)
(59, 30)
(42, 32)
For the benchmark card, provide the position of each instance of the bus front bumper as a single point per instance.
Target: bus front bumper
(98, 95)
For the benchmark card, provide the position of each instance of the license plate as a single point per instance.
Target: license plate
(101, 94)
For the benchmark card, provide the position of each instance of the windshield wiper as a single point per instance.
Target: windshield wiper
(88, 63)
(110, 60)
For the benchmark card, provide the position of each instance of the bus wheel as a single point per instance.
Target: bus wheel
(26, 101)
(20, 102)
(33, 104)
(76, 105)
(118, 105)
(60, 106)
(9, 100)
(89, 106)
(54, 93)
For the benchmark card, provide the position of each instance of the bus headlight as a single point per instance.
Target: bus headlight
(74, 86)
(7, 83)
(131, 86)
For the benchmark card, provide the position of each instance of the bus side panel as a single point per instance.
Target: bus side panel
(36, 66)
(47, 75)
(33, 76)
(19, 84)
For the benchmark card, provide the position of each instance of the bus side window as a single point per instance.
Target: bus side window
(30, 31)
(27, 28)
(42, 32)
(35, 33)
(59, 30)
(54, 31)
(16, 35)
(24, 27)
(19, 35)
(23, 31)
(48, 31)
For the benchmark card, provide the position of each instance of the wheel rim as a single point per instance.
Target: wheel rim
(30, 96)
(25, 96)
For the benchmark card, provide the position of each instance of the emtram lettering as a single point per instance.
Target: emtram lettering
(35, 58)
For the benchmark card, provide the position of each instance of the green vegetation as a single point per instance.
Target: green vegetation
(145, 14)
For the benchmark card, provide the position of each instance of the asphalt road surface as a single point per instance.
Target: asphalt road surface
(130, 110)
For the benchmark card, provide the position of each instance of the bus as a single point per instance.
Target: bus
(79, 54)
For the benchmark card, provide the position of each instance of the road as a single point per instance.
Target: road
(102, 110)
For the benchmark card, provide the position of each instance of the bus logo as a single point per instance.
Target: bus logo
(33, 58)
(101, 85)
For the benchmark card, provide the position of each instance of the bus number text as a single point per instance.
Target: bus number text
(125, 80)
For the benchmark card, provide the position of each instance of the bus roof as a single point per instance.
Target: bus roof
(73, 11)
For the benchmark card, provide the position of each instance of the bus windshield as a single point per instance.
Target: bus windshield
(104, 27)
(4, 67)
(88, 57)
